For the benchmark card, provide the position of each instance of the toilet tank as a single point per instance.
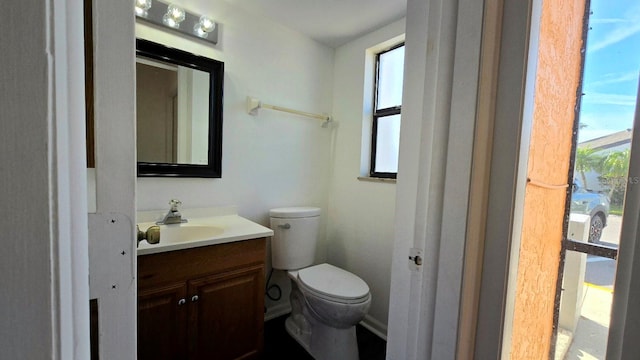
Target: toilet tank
(295, 234)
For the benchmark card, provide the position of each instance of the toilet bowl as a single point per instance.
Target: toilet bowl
(326, 301)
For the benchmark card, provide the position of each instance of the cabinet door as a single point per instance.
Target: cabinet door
(227, 315)
(162, 316)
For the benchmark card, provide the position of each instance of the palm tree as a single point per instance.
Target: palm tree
(615, 169)
(586, 160)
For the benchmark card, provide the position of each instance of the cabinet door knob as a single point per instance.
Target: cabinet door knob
(194, 298)
(182, 302)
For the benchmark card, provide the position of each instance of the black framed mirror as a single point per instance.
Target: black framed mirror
(179, 112)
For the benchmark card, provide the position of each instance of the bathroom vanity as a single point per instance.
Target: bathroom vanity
(203, 298)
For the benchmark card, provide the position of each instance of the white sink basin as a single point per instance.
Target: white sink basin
(201, 230)
(188, 232)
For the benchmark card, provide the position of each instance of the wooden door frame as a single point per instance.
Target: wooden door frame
(515, 73)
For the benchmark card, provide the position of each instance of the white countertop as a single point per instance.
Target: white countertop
(201, 231)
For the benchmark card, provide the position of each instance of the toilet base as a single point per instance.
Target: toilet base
(321, 341)
(294, 331)
(324, 342)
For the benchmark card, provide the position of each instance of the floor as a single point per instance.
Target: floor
(589, 342)
(278, 345)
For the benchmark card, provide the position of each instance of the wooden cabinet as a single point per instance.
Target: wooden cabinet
(227, 314)
(202, 303)
(161, 322)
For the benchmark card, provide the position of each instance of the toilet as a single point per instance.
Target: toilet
(326, 301)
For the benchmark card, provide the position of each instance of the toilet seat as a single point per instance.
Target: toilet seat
(333, 284)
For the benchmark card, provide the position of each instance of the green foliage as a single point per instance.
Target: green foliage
(616, 195)
(616, 164)
(616, 209)
(587, 160)
(615, 168)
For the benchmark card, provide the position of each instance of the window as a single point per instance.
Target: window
(385, 140)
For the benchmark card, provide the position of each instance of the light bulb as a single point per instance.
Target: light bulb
(141, 7)
(197, 29)
(143, 4)
(169, 21)
(176, 13)
(204, 27)
(141, 12)
(206, 24)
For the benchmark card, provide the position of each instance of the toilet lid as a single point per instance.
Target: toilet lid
(333, 282)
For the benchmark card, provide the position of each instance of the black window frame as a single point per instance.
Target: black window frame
(381, 113)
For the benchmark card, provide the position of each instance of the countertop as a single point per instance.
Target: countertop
(202, 231)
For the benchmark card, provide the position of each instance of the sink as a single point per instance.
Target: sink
(206, 227)
(188, 232)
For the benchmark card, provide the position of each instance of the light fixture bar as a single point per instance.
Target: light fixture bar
(192, 24)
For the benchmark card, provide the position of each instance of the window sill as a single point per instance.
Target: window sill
(375, 179)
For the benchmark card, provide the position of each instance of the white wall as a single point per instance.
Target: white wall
(361, 213)
(27, 319)
(43, 264)
(270, 160)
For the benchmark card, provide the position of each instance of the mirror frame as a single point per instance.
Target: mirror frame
(213, 169)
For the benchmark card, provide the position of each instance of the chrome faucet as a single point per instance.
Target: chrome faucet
(173, 216)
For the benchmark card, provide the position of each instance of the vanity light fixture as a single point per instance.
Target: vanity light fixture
(175, 17)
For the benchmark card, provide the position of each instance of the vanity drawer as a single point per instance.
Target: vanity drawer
(173, 266)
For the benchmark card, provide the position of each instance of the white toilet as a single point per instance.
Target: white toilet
(326, 301)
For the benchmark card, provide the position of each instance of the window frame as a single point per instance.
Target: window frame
(381, 113)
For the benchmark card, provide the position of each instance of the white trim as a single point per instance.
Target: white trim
(277, 311)
(625, 316)
(377, 179)
(375, 326)
(70, 251)
(439, 97)
(112, 248)
(457, 185)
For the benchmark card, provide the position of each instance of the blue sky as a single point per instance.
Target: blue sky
(612, 68)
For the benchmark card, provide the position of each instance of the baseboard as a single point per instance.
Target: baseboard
(277, 310)
(375, 326)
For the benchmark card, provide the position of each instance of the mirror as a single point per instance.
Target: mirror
(179, 112)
